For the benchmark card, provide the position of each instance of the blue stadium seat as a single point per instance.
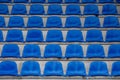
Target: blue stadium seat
(74, 51)
(54, 70)
(34, 36)
(16, 22)
(21, 1)
(10, 50)
(35, 22)
(98, 68)
(19, 9)
(54, 22)
(109, 9)
(115, 69)
(1, 36)
(89, 1)
(118, 1)
(54, 9)
(4, 9)
(94, 36)
(71, 1)
(53, 51)
(95, 51)
(91, 9)
(36, 9)
(92, 22)
(73, 22)
(106, 1)
(76, 37)
(31, 51)
(75, 68)
(8, 68)
(2, 22)
(111, 22)
(113, 36)
(54, 1)
(54, 36)
(114, 51)
(30, 68)
(5, 1)
(37, 1)
(72, 10)
(14, 36)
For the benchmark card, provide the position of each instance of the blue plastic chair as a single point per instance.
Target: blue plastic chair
(111, 22)
(19, 9)
(75, 68)
(106, 1)
(54, 36)
(113, 36)
(94, 36)
(1, 36)
(74, 51)
(34, 36)
(16, 22)
(89, 1)
(36, 9)
(55, 9)
(54, 70)
(14, 36)
(54, 22)
(114, 51)
(53, 51)
(92, 22)
(10, 50)
(4, 9)
(76, 37)
(115, 69)
(118, 1)
(31, 51)
(2, 22)
(109, 9)
(71, 1)
(95, 51)
(98, 68)
(91, 9)
(73, 22)
(5, 1)
(54, 1)
(8, 68)
(72, 10)
(37, 1)
(30, 68)
(21, 1)
(35, 22)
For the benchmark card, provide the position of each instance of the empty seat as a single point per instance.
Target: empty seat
(5, 1)
(113, 36)
(31, 51)
(54, 70)
(55, 9)
(19, 9)
(1, 36)
(89, 1)
(8, 68)
(72, 10)
(115, 69)
(71, 1)
(73, 22)
(91, 9)
(114, 51)
(74, 51)
(34, 36)
(10, 50)
(35, 22)
(53, 51)
(76, 68)
(16, 22)
(94, 36)
(54, 1)
(36, 9)
(111, 22)
(98, 68)
(106, 1)
(21, 1)
(4, 9)
(2, 22)
(54, 22)
(14, 36)
(30, 68)
(118, 1)
(37, 1)
(54, 36)
(95, 51)
(76, 37)
(109, 9)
